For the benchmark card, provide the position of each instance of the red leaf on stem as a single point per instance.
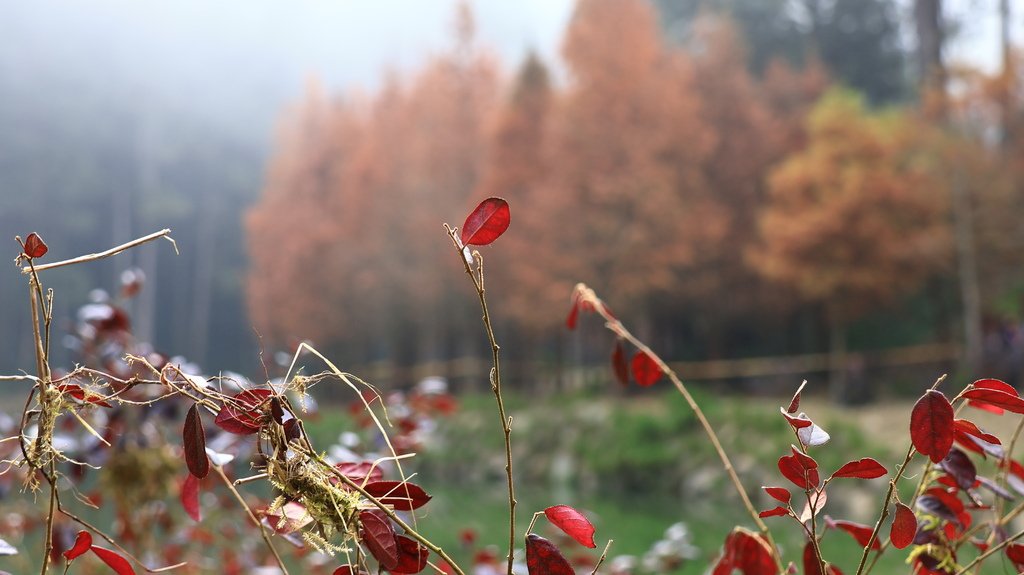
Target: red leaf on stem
(379, 537)
(403, 496)
(859, 531)
(780, 494)
(194, 442)
(35, 247)
(778, 511)
(114, 561)
(996, 384)
(574, 314)
(82, 544)
(412, 557)
(543, 558)
(995, 398)
(645, 369)
(811, 565)
(865, 468)
(801, 469)
(489, 220)
(573, 523)
(931, 425)
(246, 418)
(797, 422)
(360, 473)
(619, 366)
(904, 527)
(746, 552)
(190, 497)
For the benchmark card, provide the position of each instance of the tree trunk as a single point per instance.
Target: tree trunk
(928, 22)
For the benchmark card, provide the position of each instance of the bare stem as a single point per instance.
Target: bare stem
(164, 233)
(586, 294)
(495, 377)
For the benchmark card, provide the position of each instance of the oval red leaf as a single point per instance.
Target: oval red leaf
(811, 565)
(573, 523)
(403, 496)
(904, 527)
(412, 557)
(645, 369)
(194, 441)
(379, 537)
(865, 468)
(859, 531)
(995, 398)
(543, 558)
(35, 247)
(996, 384)
(801, 469)
(619, 367)
(82, 544)
(778, 511)
(242, 415)
(489, 220)
(189, 497)
(780, 494)
(931, 425)
(360, 473)
(746, 552)
(114, 561)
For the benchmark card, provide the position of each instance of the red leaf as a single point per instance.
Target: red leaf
(489, 220)
(645, 369)
(780, 494)
(970, 428)
(997, 385)
(360, 473)
(794, 404)
(82, 543)
(190, 497)
(403, 496)
(1015, 553)
(543, 558)
(798, 422)
(904, 527)
(859, 531)
(811, 565)
(246, 418)
(379, 537)
(931, 425)
(865, 468)
(194, 442)
(996, 398)
(35, 247)
(573, 523)
(343, 570)
(412, 557)
(774, 512)
(574, 314)
(114, 561)
(746, 552)
(619, 366)
(289, 518)
(801, 469)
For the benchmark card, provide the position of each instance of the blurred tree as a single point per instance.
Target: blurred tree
(856, 219)
(857, 40)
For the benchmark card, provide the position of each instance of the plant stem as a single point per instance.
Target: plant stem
(164, 233)
(255, 521)
(495, 377)
(613, 324)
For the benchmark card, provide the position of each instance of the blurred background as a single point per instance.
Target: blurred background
(762, 190)
(765, 189)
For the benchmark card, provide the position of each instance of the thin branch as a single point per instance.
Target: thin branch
(252, 517)
(164, 233)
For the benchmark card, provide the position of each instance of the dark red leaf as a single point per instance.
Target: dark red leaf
(997, 385)
(1015, 553)
(995, 398)
(798, 422)
(190, 497)
(645, 369)
(574, 314)
(194, 442)
(778, 511)
(343, 570)
(241, 415)
(931, 425)
(811, 565)
(114, 561)
(746, 552)
(859, 531)
(412, 557)
(276, 410)
(801, 469)
(794, 404)
(379, 537)
(970, 428)
(904, 527)
(780, 494)
(573, 523)
(403, 496)
(35, 247)
(360, 473)
(489, 220)
(619, 366)
(543, 558)
(959, 465)
(83, 541)
(865, 468)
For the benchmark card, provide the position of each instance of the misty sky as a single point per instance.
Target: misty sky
(234, 63)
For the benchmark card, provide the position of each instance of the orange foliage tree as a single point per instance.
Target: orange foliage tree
(857, 218)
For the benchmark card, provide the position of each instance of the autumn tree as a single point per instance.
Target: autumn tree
(856, 219)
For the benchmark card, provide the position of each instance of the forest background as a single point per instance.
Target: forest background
(744, 179)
